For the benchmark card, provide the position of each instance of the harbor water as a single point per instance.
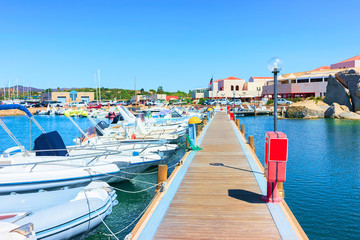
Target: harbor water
(323, 172)
(322, 187)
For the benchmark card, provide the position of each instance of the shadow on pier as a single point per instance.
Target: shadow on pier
(241, 169)
(245, 195)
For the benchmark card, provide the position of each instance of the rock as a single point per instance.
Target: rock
(349, 115)
(307, 109)
(335, 110)
(351, 80)
(340, 111)
(336, 93)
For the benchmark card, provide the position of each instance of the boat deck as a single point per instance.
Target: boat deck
(219, 196)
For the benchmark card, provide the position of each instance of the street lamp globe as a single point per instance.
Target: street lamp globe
(275, 64)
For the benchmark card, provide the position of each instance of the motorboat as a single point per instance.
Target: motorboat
(52, 165)
(65, 213)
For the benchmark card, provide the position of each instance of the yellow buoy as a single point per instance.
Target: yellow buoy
(209, 109)
(194, 120)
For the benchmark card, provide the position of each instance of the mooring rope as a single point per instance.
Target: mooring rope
(116, 176)
(116, 233)
(134, 192)
(148, 173)
(102, 220)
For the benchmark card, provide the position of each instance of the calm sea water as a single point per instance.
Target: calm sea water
(323, 174)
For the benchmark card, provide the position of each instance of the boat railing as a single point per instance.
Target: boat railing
(99, 153)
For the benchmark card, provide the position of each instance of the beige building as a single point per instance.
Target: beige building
(309, 83)
(67, 97)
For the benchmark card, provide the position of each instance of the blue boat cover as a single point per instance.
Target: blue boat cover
(15, 106)
(51, 143)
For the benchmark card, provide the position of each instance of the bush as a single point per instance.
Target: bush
(201, 100)
(297, 99)
(269, 102)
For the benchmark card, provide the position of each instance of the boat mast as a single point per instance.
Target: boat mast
(96, 89)
(135, 90)
(4, 90)
(9, 94)
(99, 85)
(17, 88)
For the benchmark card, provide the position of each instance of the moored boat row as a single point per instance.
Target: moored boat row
(71, 181)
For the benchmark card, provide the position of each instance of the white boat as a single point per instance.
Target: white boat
(52, 165)
(61, 214)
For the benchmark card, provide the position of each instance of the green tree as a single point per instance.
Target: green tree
(142, 91)
(160, 90)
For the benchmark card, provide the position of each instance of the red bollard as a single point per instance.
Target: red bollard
(276, 148)
(227, 109)
(232, 116)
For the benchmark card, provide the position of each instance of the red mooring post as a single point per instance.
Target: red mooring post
(276, 149)
(232, 116)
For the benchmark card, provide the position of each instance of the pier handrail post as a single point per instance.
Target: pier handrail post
(161, 177)
(204, 121)
(198, 129)
(252, 143)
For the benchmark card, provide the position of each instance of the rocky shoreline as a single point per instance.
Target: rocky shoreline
(342, 100)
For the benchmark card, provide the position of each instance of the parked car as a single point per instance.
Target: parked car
(224, 102)
(284, 101)
(53, 103)
(150, 103)
(78, 104)
(214, 102)
(121, 103)
(206, 102)
(106, 103)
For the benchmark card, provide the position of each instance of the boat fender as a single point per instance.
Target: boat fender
(133, 136)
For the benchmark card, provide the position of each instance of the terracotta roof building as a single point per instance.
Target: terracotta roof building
(309, 83)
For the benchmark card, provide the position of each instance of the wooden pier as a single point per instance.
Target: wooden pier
(216, 194)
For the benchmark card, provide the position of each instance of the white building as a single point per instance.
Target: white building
(232, 87)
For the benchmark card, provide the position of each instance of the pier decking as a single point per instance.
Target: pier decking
(219, 196)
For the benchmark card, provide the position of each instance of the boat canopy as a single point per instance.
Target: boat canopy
(50, 144)
(16, 106)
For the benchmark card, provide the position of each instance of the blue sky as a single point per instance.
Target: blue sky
(175, 44)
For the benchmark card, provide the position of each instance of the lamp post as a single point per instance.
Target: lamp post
(234, 99)
(275, 65)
